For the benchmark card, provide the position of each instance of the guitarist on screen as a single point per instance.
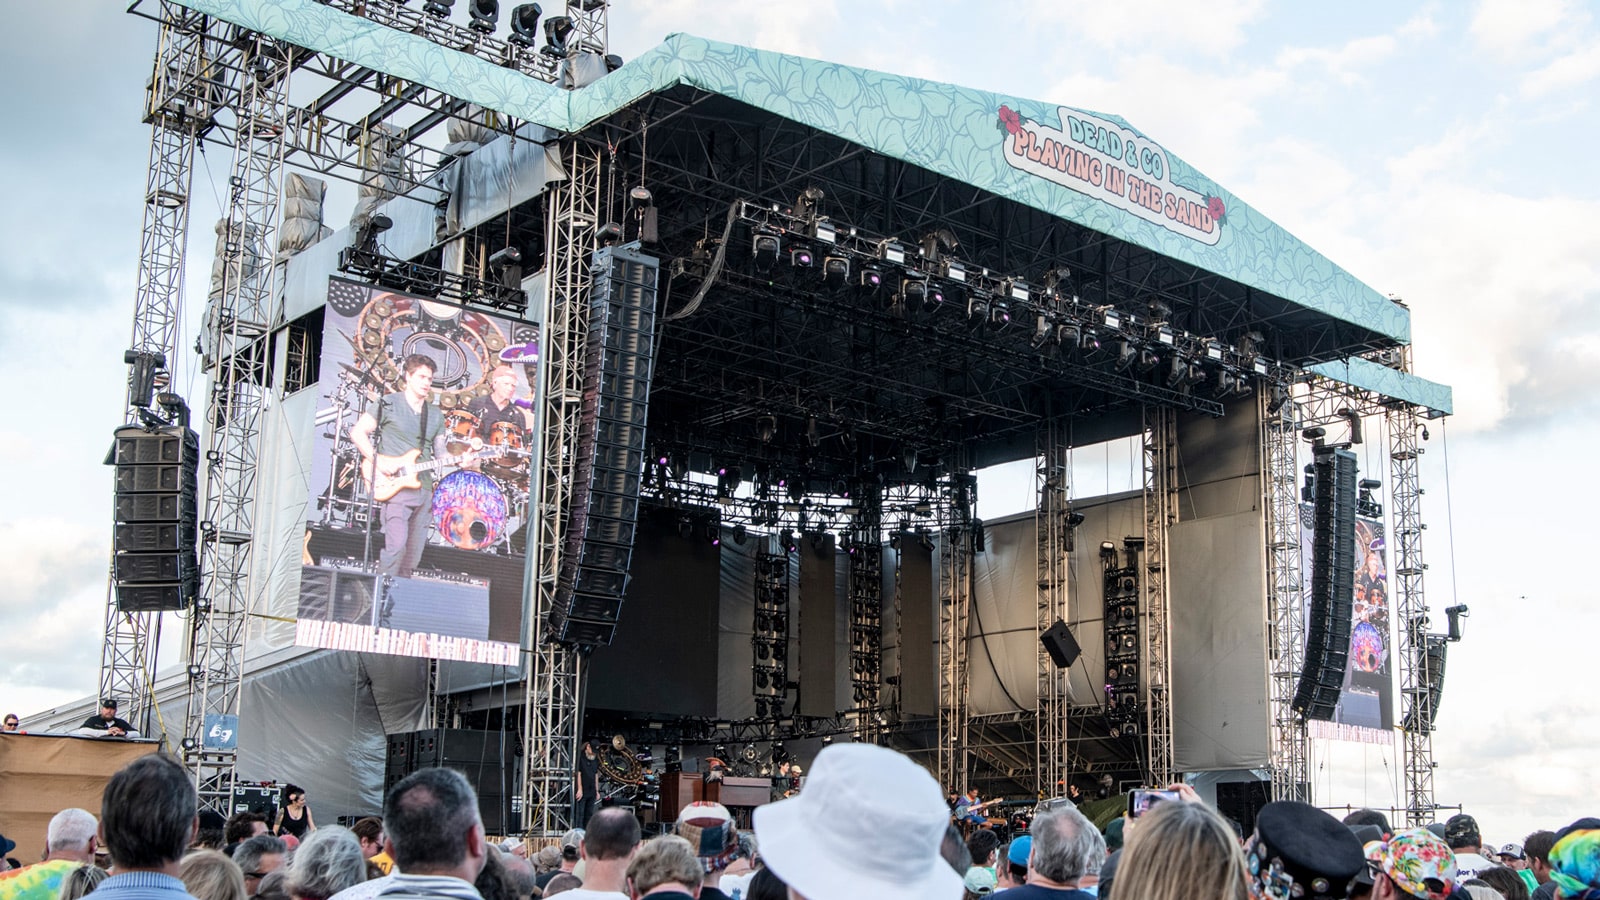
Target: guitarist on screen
(406, 422)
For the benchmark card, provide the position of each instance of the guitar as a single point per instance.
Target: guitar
(974, 813)
(404, 469)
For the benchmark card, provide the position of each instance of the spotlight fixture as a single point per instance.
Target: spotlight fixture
(935, 297)
(800, 257)
(641, 197)
(806, 206)
(556, 31)
(999, 314)
(786, 541)
(1148, 360)
(1280, 396)
(914, 292)
(1043, 329)
(1455, 614)
(484, 15)
(978, 308)
(835, 271)
(1177, 372)
(870, 279)
(1017, 289)
(739, 535)
(764, 246)
(507, 265)
(1113, 319)
(613, 62)
(1126, 354)
(438, 8)
(891, 252)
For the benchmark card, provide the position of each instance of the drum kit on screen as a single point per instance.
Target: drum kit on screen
(480, 505)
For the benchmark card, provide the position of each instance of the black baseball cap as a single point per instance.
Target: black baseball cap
(109, 701)
(1461, 827)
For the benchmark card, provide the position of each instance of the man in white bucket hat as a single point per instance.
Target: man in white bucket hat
(869, 822)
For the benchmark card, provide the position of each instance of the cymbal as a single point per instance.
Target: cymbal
(363, 375)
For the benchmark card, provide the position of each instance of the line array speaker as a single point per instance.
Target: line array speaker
(1333, 562)
(618, 364)
(1424, 703)
(154, 564)
(482, 756)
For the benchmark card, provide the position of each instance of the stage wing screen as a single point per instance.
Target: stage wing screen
(415, 539)
(1366, 701)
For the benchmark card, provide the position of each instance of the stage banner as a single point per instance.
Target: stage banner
(415, 543)
(1366, 700)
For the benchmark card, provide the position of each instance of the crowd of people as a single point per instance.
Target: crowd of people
(868, 822)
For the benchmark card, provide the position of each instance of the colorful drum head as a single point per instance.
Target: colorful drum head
(469, 510)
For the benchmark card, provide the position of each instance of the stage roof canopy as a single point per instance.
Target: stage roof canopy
(1027, 188)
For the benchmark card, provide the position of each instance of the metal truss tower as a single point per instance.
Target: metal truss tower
(955, 610)
(256, 70)
(1285, 612)
(1052, 527)
(1411, 605)
(177, 104)
(551, 714)
(1160, 514)
(866, 617)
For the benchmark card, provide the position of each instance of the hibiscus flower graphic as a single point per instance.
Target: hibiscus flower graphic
(1216, 209)
(1010, 119)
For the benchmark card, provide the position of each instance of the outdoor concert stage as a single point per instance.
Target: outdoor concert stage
(856, 289)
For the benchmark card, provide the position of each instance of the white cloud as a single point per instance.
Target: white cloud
(1571, 70)
(1347, 64)
(1195, 30)
(1517, 28)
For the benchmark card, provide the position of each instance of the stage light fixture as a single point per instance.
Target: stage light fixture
(810, 199)
(506, 266)
(914, 292)
(1148, 360)
(1177, 372)
(764, 247)
(608, 234)
(483, 15)
(613, 62)
(786, 541)
(978, 308)
(739, 535)
(525, 24)
(835, 271)
(1017, 289)
(956, 273)
(1280, 396)
(870, 279)
(556, 31)
(935, 297)
(1213, 351)
(999, 314)
(1112, 318)
(1455, 615)
(891, 252)
(1088, 340)
(1165, 335)
(1259, 366)
(1043, 329)
(1126, 354)
(438, 8)
(1069, 334)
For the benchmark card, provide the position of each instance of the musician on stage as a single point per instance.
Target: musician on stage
(497, 406)
(405, 421)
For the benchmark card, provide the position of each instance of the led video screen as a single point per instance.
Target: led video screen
(416, 537)
(1366, 699)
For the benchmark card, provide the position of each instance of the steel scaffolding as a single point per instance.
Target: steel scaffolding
(1160, 514)
(1052, 478)
(865, 554)
(1285, 610)
(955, 610)
(1411, 606)
(178, 101)
(257, 72)
(552, 711)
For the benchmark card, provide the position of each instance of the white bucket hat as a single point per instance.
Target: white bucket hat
(868, 823)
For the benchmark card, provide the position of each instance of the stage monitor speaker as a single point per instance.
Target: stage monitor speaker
(1333, 562)
(481, 756)
(156, 510)
(1240, 801)
(618, 363)
(1060, 644)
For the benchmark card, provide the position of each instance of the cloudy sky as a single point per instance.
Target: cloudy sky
(1442, 152)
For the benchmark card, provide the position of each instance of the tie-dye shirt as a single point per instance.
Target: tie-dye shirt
(41, 881)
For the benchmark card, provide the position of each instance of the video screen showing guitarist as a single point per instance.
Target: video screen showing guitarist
(405, 431)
